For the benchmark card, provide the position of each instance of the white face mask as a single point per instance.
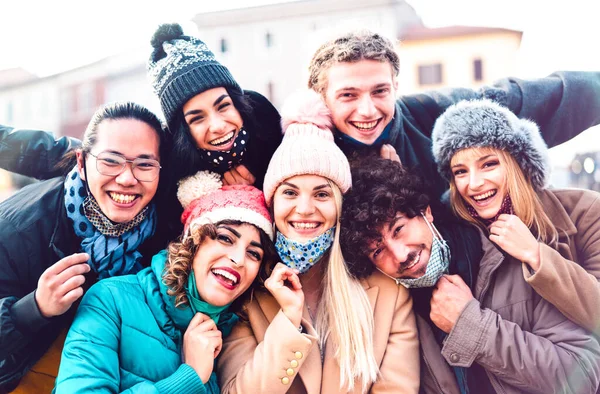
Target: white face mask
(439, 260)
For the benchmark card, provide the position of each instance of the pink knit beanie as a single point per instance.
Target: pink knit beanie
(308, 146)
(205, 200)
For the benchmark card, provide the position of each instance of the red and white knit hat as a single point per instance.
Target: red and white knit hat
(206, 200)
(307, 146)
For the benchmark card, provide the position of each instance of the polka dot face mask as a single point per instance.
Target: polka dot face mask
(303, 255)
(223, 161)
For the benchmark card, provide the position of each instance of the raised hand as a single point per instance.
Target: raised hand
(449, 298)
(388, 152)
(202, 343)
(514, 237)
(284, 285)
(60, 285)
(238, 175)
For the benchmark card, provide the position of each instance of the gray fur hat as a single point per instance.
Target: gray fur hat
(483, 123)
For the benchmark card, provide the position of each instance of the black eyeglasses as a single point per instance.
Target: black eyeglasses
(113, 164)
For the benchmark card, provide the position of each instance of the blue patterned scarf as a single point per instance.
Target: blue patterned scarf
(109, 255)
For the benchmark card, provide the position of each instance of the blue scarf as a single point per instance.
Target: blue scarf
(109, 256)
(345, 140)
(303, 255)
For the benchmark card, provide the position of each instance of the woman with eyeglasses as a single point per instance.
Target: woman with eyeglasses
(59, 236)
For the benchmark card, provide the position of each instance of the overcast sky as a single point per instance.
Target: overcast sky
(47, 37)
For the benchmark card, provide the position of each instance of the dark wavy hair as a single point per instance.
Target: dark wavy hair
(181, 257)
(380, 189)
(185, 159)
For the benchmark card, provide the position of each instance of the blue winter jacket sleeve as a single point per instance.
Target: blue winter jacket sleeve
(90, 359)
(33, 153)
(563, 104)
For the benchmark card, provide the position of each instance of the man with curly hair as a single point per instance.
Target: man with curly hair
(356, 73)
(479, 322)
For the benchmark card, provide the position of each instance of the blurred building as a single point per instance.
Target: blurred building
(585, 171)
(465, 56)
(268, 48)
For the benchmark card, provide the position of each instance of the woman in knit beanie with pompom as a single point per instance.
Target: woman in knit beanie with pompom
(498, 168)
(315, 328)
(161, 330)
(212, 123)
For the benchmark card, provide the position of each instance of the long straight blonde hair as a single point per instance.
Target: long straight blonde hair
(346, 317)
(525, 201)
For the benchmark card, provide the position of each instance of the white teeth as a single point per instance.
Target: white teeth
(122, 198)
(304, 226)
(485, 195)
(365, 125)
(218, 141)
(226, 275)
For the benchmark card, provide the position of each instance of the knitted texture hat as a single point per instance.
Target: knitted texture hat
(181, 67)
(483, 123)
(205, 200)
(307, 146)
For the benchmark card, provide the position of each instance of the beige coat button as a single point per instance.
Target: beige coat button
(298, 355)
(290, 372)
(294, 364)
(285, 380)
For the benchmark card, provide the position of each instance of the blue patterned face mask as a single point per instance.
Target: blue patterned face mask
(439, 260)
(303, 255)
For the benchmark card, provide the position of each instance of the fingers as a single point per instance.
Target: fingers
(294, 280)
(71, 284)
(388, 152)
(245, 173)
(67, 262)
(239, 175)
(198, 319)
(206, 325)
(282, 273)
(73, 295)
(457, 281)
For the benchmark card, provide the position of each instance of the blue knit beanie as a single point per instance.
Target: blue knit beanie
(181, 67)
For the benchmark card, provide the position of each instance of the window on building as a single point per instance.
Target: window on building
(86, 98)
(269, 40)
(223, 45)
(478, 70)
(430, 74)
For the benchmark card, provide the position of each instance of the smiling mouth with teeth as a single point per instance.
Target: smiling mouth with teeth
(484, 196)
(226, 276)
(223, 140)
(122, 198)
(304, 225)
(364, 126)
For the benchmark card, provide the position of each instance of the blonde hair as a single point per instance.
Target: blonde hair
(525, 201)
(346, 316)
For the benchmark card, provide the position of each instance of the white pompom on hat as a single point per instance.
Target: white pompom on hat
(308, 147)
(205, 200)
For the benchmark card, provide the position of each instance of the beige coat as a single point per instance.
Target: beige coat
(269, 355)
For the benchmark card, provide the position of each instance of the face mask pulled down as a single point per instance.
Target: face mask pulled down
(303, 255)
(439, 260)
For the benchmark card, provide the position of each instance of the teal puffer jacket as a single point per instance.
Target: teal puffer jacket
(127, 337)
